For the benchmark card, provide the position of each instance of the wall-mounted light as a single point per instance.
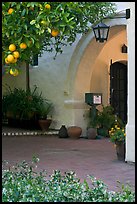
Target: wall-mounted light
(124, 49)
(101, 30)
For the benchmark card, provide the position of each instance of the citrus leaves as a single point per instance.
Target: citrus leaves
(46, 26)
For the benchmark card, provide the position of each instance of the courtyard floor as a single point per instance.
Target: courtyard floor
(84, 156)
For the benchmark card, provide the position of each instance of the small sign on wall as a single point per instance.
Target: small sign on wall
(93, 98)
(96, 99)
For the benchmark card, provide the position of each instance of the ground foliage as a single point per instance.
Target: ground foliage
(22, 183)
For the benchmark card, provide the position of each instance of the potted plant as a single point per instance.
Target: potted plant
(22, 108)
(44, 121)
(117, 135)
(93, 123)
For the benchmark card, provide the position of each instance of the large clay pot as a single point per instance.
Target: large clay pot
(74, 132)
(91, 133)
(120, 150)
(44, 124)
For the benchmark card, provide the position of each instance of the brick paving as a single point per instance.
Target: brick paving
(84, 156)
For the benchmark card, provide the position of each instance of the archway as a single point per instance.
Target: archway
(89, 68)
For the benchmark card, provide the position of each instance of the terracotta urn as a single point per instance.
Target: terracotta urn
(74, 132)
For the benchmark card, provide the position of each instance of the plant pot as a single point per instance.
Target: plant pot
(74, 132)
(63, 132)
(44, 124)
(91, 133)
(120, 150)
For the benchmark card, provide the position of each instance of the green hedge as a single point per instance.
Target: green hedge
(22, 183)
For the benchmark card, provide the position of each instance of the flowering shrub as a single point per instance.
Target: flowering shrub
(22, 183)
(117, 134)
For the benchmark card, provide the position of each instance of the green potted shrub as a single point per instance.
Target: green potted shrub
(22, 108)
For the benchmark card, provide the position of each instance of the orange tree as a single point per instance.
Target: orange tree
(29, 28)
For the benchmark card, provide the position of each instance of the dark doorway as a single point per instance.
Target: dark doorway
(118, 89)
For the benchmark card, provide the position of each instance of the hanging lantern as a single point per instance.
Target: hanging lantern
(101, 31)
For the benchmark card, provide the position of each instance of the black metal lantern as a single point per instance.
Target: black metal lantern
(101, 31)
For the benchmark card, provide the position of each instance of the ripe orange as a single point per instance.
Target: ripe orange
(23, 46)
(12, 47)
(16, 54)
(47, 6)
(14, 61)
(14, 72)
(10, 58)
(10, 10)
(54, 32)
(6, 61)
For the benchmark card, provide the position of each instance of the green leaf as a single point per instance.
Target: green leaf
(37, 25)
(25, 26)
(32, 39)
(32, 22)
(37, 44)
(49, 30)
(23, 12)
(18, 6)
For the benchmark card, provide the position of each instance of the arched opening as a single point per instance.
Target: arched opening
(92, 68)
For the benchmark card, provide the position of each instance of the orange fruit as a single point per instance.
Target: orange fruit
(16, 54)
(6, 61)
(10, 10)
(14, 61)
(12, 47)
(23, 46)
(54, 32)
(10, 58)
(14, 72)
(47, 6)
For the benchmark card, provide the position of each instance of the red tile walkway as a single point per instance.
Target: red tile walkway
(84, 156)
